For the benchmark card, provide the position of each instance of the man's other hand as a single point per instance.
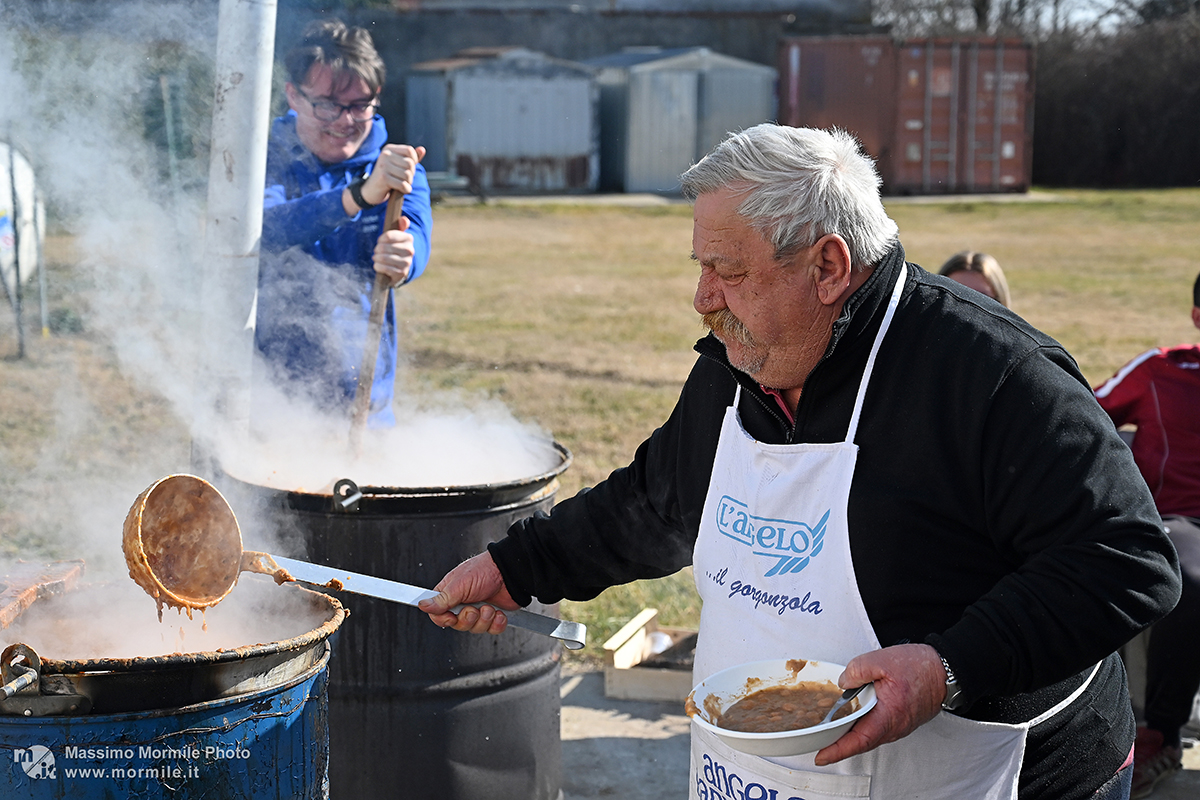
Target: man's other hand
(393, 171)
(394, 251)
(910, 685)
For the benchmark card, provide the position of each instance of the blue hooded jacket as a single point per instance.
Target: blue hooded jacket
(316, 273)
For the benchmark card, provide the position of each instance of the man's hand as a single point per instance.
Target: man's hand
(393, 171)
(394, 251)
(476, 580)
(910, 685)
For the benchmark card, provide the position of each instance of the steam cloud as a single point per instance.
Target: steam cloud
(83, 96)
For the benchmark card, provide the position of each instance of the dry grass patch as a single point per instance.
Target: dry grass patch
(1108, 274)
(577, 317)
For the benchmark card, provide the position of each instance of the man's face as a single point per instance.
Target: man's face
(336, 141)
(765, 312)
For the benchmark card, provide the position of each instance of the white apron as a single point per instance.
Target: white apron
(772, 565)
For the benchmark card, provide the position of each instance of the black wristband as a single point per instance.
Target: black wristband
(355, 188)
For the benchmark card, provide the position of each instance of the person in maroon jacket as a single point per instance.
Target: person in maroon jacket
(1159, 392)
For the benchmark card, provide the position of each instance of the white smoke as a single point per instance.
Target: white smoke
(82, 92)
(117, 621)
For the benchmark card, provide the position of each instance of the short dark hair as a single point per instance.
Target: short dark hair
(342, 49)
(1196, 292)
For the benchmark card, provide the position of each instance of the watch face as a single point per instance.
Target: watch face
(954, 698)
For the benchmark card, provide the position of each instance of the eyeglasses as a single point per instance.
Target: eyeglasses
(329, 111)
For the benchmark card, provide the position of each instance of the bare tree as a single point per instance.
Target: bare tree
(1031, 19)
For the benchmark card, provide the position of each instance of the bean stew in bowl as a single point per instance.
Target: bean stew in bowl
(775, 708)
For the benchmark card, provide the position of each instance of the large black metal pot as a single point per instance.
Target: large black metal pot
(414, 709)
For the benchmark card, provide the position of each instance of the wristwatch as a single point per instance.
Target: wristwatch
(954, 693)
(355, 188)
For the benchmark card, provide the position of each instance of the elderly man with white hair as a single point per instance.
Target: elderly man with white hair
(912, 480)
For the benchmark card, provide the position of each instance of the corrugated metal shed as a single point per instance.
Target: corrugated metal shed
(939, 115)
(662, 110)
(508, 119)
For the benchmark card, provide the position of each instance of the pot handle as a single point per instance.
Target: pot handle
(346, 495)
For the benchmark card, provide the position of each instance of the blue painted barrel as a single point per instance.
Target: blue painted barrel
(244, 722)
(268, 744)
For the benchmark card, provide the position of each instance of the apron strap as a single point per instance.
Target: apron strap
(883, 326)
(1066, 701)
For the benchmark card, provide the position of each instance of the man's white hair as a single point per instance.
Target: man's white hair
(800, 184)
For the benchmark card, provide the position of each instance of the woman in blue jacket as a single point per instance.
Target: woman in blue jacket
(330, 172)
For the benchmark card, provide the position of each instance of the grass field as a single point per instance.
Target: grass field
(579, 317)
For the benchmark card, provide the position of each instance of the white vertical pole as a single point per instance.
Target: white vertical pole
(233, 226)
(18, 221)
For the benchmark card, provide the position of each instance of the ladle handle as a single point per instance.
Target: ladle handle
(572, 634)
(263, 564)
(366, 371)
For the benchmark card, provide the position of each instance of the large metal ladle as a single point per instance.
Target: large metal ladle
(182, 544)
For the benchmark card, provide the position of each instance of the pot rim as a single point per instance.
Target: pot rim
(384, 492)
(52, 666)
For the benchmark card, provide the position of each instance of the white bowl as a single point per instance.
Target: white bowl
(730, 685)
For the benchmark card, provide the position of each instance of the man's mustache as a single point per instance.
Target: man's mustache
(726, 326)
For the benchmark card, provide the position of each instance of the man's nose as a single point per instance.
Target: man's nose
(709, 297)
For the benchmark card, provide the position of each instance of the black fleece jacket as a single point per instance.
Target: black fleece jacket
(994, 512)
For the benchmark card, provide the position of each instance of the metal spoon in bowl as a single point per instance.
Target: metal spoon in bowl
(846, 697)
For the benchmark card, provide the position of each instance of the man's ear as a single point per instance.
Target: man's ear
(293, 98)
(1196, 316)
(833, 268)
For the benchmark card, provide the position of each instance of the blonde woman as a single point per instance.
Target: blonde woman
(980, 272)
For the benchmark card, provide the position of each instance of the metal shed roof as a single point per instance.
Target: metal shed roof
(690, 58)
(512, 61)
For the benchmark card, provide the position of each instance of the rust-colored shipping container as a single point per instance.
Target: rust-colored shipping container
(939, 115)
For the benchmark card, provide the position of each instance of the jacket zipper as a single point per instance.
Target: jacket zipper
(791, 430)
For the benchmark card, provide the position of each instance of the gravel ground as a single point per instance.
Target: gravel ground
(621, 749)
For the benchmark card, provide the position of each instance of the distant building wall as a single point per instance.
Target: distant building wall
(512, 120)
(725, 7)
(432, 29)
(939, 115)
(662, 110)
